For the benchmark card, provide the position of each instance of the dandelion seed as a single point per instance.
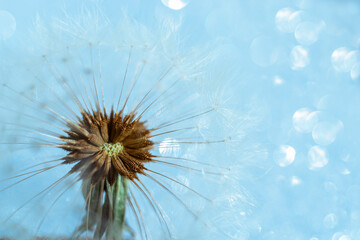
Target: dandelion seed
(115, 149)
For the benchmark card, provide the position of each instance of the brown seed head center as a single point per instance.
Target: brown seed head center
(104, 146)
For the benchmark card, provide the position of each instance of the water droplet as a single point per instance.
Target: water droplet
(287, 20)
(175, 4)
(7, 25)
(324, 133)
(317, 157)
(284, 155)
(169, 147)
(330, 221)
(264, 51)
(304, 120)
(299, 57)
(308, 32)
(344, 60)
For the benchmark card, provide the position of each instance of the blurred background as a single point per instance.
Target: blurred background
(297, 65)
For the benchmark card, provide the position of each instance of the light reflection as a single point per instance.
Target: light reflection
(317, 157)
(175, 4)
(287, 20)
(295, 181)
(324, 133)
(343, 60)
(7, 25)
(169, 147)
(278, 80)
(304, 120)
(307, 33)
(299, 57)
(284, 155)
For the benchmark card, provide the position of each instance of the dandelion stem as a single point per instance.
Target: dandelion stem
(105, 210)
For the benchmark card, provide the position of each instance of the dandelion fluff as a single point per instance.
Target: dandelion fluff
(80, 74)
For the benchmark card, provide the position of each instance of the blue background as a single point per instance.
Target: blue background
(290, 72)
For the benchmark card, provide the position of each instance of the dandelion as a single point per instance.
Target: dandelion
(120, 149)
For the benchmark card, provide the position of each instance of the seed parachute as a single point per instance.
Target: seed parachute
(122, 111)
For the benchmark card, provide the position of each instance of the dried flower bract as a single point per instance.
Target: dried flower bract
(104, 146)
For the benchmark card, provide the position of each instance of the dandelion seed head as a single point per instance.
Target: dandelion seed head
(101, 146)
(94, 144)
